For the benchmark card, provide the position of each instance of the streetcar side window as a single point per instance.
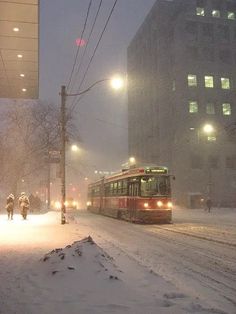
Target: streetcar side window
(119, 187)
(107, 189)
(125, 187)
(111, 189)
(155, 185)
(115, 188)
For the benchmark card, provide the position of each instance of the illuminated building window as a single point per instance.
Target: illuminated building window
(231, 15)
(200, 11)
(192, 80)
(209, 81)
(193, 106)
(210, 108)
(215, 13)
(226, 109)
(225, 83)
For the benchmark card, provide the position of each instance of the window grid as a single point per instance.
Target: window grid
(210, 108)
(226, 109)
(209, 81)
(192, 80)
(215, 13)
(225, 83)
(193, 106)
(230, 15)
(200, 11)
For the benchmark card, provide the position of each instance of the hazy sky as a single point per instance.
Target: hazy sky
(102, 114)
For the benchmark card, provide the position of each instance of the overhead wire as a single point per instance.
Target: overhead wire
(78, 49)
(87, 43)
(93, 55)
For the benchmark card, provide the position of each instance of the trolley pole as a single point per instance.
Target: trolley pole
(63, 154)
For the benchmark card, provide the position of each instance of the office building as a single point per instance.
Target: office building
(182, 97)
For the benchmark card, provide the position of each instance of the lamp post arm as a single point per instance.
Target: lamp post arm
(89, 88)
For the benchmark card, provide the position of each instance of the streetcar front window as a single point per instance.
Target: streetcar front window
(155, 186)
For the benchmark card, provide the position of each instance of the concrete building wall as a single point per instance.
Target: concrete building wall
(172, 43)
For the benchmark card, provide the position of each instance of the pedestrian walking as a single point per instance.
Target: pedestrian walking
(24, 204)
(208, 204)
(10, 206)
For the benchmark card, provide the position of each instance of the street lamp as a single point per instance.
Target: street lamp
(116, 83)
(208, 129)
(74, 148)
(132, 161)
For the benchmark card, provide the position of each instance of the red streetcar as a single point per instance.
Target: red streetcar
(140, 195)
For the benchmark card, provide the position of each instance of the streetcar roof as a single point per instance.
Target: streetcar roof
(132, 172)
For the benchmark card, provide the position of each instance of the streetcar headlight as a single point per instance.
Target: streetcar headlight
(169, 205)
(145, 205)
(159, 203)
(88, 203)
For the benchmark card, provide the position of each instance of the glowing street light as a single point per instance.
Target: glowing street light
(132, 160)
(116, 83)
(74, 148)
(208, 129)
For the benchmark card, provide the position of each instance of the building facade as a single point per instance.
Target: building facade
(182, 97)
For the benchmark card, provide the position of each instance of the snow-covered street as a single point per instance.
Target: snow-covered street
(186, 267)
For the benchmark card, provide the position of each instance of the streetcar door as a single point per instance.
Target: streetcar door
(132, 197)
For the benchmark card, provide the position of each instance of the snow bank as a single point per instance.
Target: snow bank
(84, 258)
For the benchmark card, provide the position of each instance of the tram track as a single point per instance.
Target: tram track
(176, 258)
(201, 237)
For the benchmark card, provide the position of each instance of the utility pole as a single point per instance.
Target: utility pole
(49, 182)
(63, 154)
(116, 83)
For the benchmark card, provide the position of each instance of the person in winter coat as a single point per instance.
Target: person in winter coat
(10, 206)
(24, 204)
(208, 204)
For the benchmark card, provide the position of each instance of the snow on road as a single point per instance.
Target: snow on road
(187, 267)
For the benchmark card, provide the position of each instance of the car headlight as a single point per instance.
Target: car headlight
(145, 205)
(159, 203)
(169, 205)
(88, 203)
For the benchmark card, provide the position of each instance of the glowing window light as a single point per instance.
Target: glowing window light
(19, 56)
(200, 11)
(209, 81)
(231, 15)
(16, 29)
(192, 80)
(225, 83)
(215, 13)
